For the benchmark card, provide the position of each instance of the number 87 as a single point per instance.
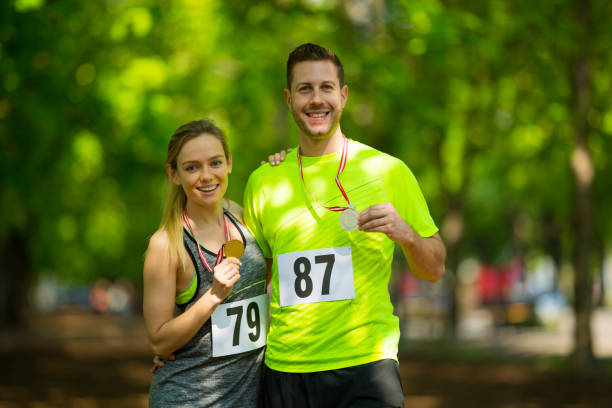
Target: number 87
(302, 267)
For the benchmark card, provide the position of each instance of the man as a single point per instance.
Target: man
(328, 218)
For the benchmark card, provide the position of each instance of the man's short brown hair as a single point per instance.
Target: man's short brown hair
(313, 52)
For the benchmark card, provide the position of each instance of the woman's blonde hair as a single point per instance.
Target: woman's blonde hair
(172, 218)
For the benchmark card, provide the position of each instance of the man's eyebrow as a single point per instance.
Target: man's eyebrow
(327, 81)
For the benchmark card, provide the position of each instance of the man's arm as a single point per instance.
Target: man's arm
(269, 263)
(425, 255)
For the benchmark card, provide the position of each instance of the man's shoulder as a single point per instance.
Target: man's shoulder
(268, 174)
(377, 159)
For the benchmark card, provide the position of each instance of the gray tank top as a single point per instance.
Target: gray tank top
(196, 378)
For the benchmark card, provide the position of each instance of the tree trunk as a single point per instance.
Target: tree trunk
(601, 259)
(452, 232)
(14, 272)
(583, 173)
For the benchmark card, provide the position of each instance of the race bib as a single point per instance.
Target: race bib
(239, 326)
(318, 275)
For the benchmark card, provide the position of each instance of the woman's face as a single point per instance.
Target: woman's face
(202, 169)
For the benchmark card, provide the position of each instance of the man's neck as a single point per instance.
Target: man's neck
(320, 147)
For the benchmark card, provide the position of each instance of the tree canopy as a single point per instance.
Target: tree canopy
(478, 98)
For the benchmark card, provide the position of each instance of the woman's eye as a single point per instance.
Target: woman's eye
(217, 163)
(190, 168)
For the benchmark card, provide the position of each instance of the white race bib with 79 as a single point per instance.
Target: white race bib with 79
(239, 326)
(318, 275)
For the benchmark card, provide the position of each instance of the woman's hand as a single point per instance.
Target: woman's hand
(226, 274)
(276, 158)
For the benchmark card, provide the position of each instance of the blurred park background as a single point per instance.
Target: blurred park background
(502, 110)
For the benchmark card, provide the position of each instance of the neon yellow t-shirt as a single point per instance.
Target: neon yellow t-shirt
(330, 334)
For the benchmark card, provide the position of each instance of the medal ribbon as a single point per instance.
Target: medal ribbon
(343, 159)
(220, 254)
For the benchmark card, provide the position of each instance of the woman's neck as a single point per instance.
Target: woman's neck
(205, 218)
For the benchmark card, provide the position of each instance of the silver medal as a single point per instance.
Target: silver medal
(348, 219)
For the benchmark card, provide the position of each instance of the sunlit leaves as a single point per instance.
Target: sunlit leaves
(421, 22)
(417, 46)
(127, 90)
(527, 140)
(88, 156)
(135, 20)
(453, 150)
(105, 231)
(472, 95)
(85, 74)
(320, 4)
(28, 5)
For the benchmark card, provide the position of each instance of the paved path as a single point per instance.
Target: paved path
(555, 340)
(79, 360)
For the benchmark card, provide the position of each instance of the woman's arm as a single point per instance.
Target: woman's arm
(167, 333)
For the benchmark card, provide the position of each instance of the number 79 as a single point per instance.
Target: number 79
(253, 321)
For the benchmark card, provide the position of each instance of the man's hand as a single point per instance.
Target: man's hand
(276, 158)
(159, 363)
(385, 218)
(425, 255)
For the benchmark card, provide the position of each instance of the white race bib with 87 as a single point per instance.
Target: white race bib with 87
(318, 275)
(239, 326)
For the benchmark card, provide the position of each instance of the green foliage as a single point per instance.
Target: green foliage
(474, 96)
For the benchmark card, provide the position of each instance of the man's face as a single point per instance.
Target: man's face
(316, 99)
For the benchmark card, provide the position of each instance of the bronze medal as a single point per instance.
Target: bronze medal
(233, 248)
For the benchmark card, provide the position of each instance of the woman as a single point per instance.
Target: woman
(207, 309)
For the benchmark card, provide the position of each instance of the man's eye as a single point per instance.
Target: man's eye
(216, 163)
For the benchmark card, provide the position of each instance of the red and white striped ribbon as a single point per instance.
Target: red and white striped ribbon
(220, 254)
(343, 159)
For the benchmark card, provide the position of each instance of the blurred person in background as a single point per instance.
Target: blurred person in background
(206, 309)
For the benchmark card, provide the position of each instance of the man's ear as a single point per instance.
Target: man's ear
(287, 97)
(344, 95)
(172, 175)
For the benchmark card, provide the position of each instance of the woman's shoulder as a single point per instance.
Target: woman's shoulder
(157, 258)
(158, 248)
(159, 241)
(235, 209)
